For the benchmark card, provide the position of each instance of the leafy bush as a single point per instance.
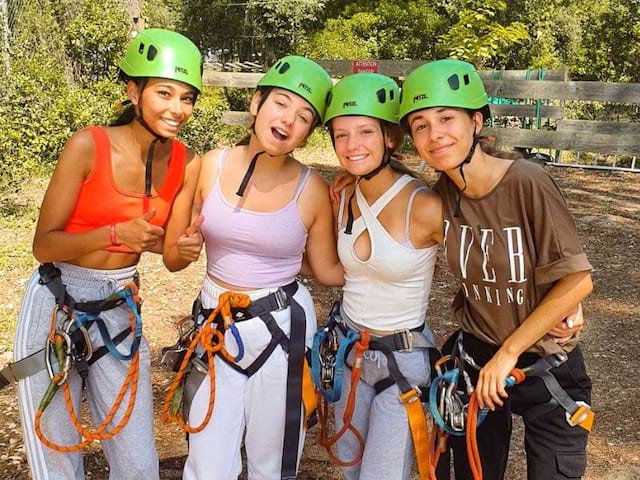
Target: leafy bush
(63, 79)
(204, 130)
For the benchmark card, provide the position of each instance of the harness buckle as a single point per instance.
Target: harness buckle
(410, 396)
(281, 299)
(583, 416)
(403, 341)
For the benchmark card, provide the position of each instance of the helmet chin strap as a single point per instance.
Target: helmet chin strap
(467, 159)
(148, 166)
(248, 174)
(252, 164)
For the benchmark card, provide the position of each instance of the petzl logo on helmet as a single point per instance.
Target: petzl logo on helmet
(304, 86)
(351, 103)
(182, 70)
(422, 96)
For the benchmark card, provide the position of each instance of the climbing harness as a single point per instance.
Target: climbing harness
(328, 360)
(68, 345)
(454, 405)
(206, 327)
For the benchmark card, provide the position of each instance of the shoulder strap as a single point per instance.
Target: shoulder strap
(220, 163)
(343, 195)
(304, 178)
(387, 196)
(408, 214)
(103, 149)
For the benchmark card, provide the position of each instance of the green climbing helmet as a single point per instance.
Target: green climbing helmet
(443, 83)
(303, 77)
(158, 53)
(369, 94)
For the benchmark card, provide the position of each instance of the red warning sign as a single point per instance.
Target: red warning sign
(364, 66)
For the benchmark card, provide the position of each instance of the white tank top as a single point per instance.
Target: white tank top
(390, 290)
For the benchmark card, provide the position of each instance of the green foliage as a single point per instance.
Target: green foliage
(611, 29)
(231, 28)
(477, 38)
(163, 14)
(344, 39)
(94, 36)
(204, 131)
(45, 101)
(390, 30)
(283, 26)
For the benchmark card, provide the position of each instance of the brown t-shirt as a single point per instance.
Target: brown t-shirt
(507, 248)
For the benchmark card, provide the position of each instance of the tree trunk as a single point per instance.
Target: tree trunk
(4, 30)
(134, 7)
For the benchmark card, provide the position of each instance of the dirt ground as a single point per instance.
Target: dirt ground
(607, 211)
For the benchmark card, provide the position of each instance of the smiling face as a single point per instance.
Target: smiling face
(283, 121)
(359, 143)
(443, 135)
(166, 104)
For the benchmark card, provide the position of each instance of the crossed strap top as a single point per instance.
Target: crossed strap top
(389, 291)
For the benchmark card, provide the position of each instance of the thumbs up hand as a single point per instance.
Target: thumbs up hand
(139, 234)
(190, 242)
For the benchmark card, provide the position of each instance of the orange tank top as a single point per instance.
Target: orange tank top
(101, 202)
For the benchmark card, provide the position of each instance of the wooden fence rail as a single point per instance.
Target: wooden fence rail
(532, 100)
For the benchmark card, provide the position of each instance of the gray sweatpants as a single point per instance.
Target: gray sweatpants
(131, 453)
(381, 419)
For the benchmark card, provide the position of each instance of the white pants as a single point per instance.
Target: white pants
(255, 404)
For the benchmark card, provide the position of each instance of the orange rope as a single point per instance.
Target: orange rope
(325, 439)
(473, 452)
(100, 433)
(205, 337)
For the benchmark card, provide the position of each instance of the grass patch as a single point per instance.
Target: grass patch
(17, 255)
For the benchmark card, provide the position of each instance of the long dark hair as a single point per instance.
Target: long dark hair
(488, 144)
(127, 115)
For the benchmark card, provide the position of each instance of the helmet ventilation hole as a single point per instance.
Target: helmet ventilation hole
(454, 82)
(466, 79)
(152, 52)
(284, 67)
(141, 48)
(382, 95)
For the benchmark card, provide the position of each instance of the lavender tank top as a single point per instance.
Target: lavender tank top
(253, 249)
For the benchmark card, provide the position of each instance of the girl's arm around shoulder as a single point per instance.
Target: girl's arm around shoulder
(183, 239)
(427, 220)
(317, 214)
(51, 243)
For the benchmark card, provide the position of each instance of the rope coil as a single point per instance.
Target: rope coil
(212, 341)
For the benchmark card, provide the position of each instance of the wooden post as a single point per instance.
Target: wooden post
(134, 7)
(4, 29)
(558, 156)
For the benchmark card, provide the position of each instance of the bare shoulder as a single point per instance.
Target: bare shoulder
(316, 182)
(314, 198)
(426, 212)
(209, 163)
(192, 157)
(78, 153)
(81, 143)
